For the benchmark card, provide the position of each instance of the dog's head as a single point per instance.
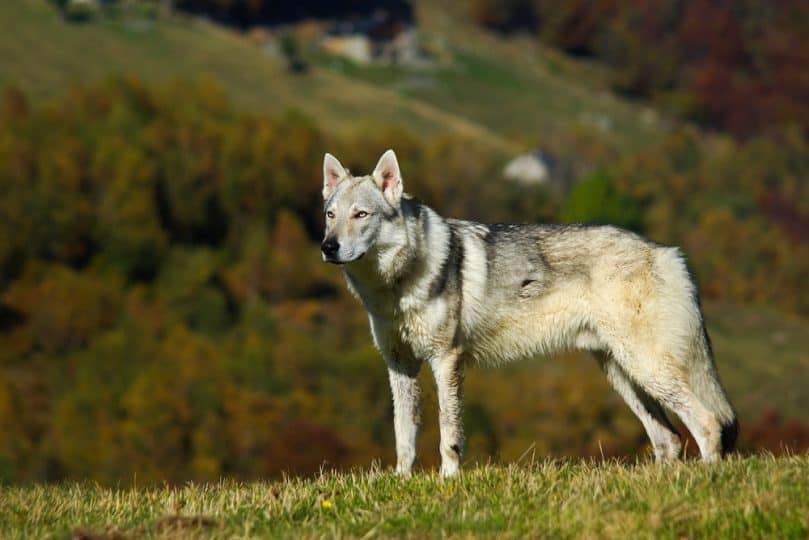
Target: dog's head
(359, 210)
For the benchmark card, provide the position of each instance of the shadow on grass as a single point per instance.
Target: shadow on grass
(168, 524)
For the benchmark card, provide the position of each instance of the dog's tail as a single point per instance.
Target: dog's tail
(683, 300)
(709, 390)
(730, 432)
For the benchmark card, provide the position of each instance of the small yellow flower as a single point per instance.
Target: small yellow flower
(326, 504)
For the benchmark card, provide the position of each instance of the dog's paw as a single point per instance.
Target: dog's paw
(403, 472)
(449, 470)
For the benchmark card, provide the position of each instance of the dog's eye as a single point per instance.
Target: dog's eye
(361, 214)
(330, 214)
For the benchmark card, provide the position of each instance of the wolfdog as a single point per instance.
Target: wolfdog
(448, 292)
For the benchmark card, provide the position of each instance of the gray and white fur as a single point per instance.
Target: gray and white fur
(448, 293)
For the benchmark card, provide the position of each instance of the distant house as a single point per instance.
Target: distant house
(382, 37)
(534, 168)
(355, 47)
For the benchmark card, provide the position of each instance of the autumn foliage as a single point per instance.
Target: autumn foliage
(735, 66)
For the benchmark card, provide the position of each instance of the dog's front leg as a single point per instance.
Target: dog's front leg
(404, 385)
(448, 372)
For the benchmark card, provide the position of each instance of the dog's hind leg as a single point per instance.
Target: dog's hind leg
(703, 381)
(667, 381)
(665, 439)
(448, 372)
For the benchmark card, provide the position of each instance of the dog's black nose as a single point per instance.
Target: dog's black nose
(329, 246)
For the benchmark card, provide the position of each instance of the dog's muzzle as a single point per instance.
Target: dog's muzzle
(330, 247)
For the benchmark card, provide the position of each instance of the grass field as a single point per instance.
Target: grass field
(751, 497)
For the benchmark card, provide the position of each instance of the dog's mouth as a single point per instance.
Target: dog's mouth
(339, 262)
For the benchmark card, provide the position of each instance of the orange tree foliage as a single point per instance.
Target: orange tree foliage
(164, 314)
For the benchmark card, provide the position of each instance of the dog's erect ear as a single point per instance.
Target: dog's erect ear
(389, 178)
(333, 174)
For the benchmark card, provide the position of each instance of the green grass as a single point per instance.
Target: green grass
(750, 497)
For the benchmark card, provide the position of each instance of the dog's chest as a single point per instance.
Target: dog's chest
(424, 326)
(406, 315)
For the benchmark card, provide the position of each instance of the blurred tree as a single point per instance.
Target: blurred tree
(192, 289)
(505, 15)
(128, 231)
(739, 67)
(290, 50)
(596, 199)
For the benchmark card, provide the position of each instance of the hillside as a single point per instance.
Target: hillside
(754, 497)
(515, 86)
(511, 100)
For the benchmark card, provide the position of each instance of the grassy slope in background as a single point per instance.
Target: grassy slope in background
(526, 96)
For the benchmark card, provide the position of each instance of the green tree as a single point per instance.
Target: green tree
(596, 199)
